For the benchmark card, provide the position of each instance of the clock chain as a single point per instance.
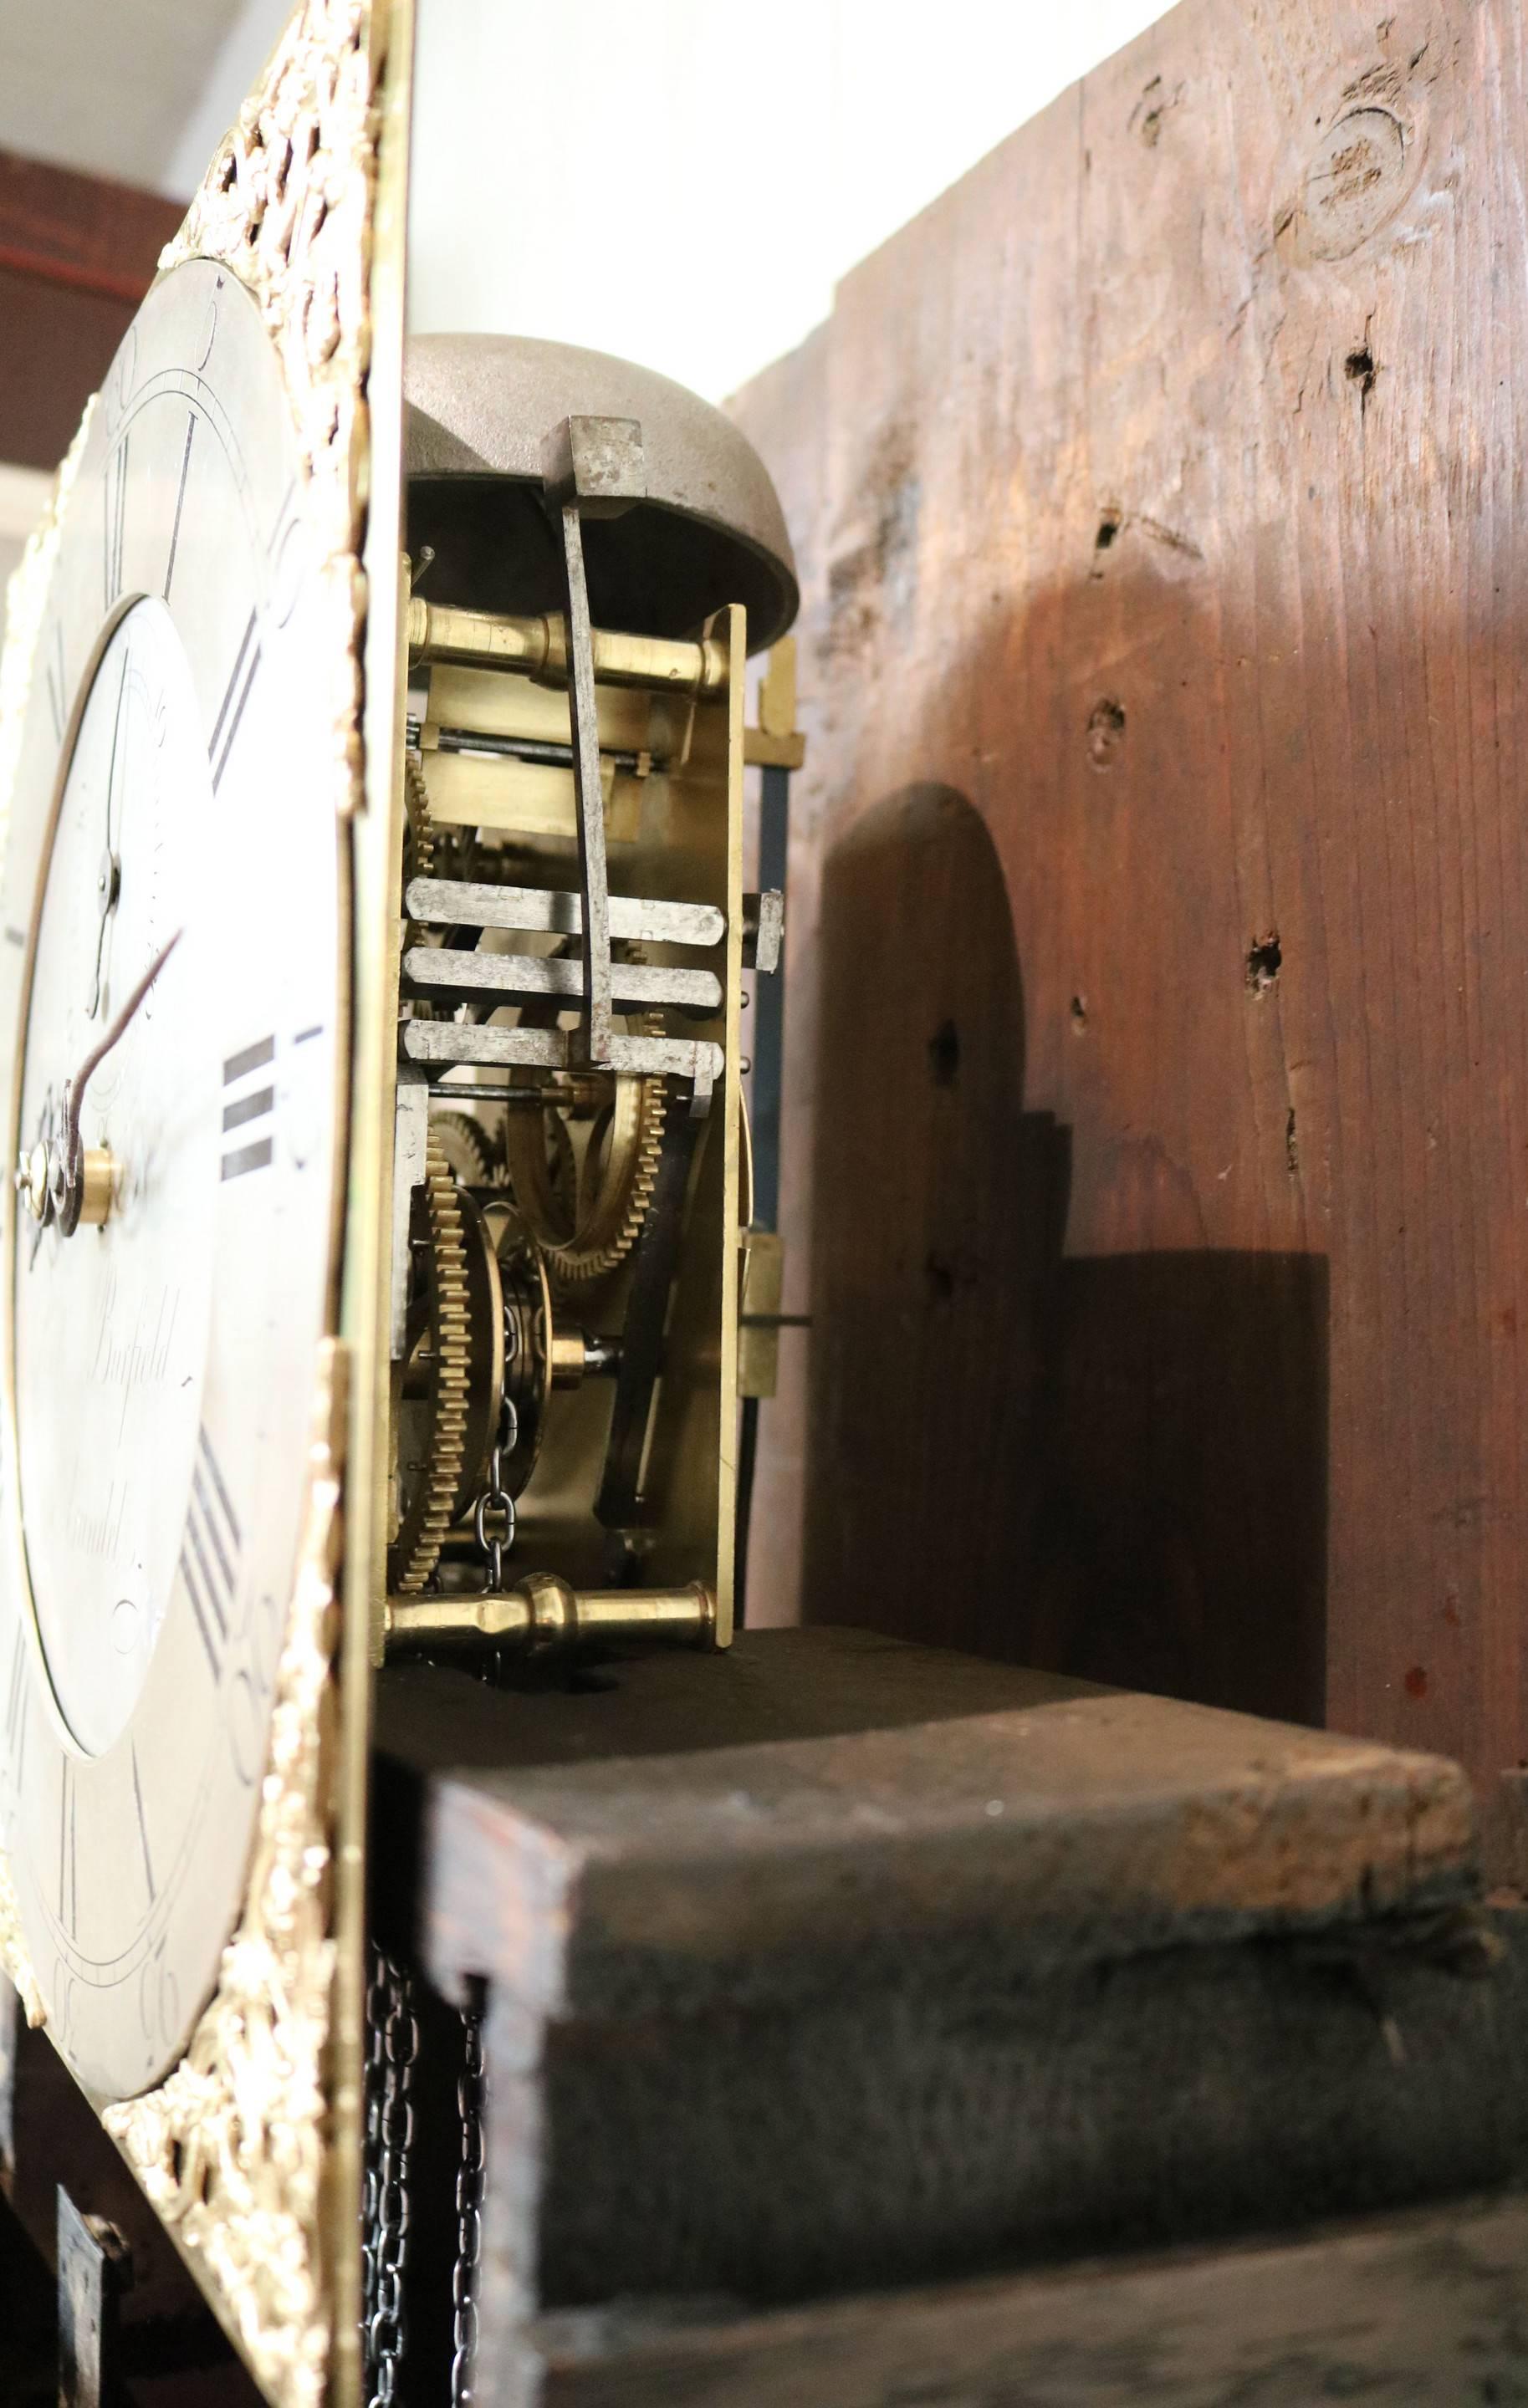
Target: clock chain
(394, 2034)
(393, 2039)
(376, 2007)
(464, 2286)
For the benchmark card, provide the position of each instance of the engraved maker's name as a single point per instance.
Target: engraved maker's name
(140, 1358)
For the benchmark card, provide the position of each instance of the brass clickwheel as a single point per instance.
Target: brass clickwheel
(586, 1208)
(471, 1156)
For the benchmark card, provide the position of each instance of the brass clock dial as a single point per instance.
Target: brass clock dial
(175, 789)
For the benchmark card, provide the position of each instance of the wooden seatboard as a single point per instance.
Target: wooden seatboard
(749, 1817)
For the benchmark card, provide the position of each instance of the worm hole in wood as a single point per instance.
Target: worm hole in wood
(1361, 370)
(1106, 732)
(945, 1055)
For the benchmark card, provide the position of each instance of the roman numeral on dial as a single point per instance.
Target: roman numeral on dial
(235, 695)
(17, 1694)
(180, 503)
(69, 1852)
(116, 519)
(210, 1552)
(56, 683)
(143, 1825)
(251, 1072)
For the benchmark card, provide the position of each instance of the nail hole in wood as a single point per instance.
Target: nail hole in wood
(1106, 732)
(1264, 963)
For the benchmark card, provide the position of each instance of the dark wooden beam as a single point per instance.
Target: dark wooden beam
(77, 255)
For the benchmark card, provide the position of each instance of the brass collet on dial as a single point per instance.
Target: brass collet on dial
(97, 1167)
(45, 1187)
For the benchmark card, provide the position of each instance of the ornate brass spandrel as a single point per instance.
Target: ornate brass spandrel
(231, 2149)
(14, 1960)
(287, 207)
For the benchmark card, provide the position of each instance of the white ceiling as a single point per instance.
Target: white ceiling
(137, 90)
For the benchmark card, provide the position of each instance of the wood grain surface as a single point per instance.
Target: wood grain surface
(836, 1793)
(1157, 1022)
(838, 1962)
(1427, 2309)
(77, 255)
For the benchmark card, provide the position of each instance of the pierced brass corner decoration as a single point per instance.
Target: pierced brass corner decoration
(287, 206)
(14, 1959)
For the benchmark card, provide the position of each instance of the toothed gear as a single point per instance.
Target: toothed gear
(426, 1516)
(583, 1240)
(419, 838)
(471, 1156)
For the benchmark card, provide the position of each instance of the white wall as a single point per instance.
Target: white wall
(679, 180)
(682, 183)
(105, 85)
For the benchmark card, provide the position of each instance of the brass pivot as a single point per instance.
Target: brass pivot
(547, 1616)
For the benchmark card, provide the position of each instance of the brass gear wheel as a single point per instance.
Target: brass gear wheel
(471, 1157)
(419, 826)
(584, 1235)
(418, 848)
(439, 1323)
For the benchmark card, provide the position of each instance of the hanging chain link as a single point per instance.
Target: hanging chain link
(392, 2037)
(494, 1543)
(463, 2286)
(376, 2017)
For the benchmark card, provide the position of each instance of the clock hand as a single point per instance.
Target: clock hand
(65, 1182)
